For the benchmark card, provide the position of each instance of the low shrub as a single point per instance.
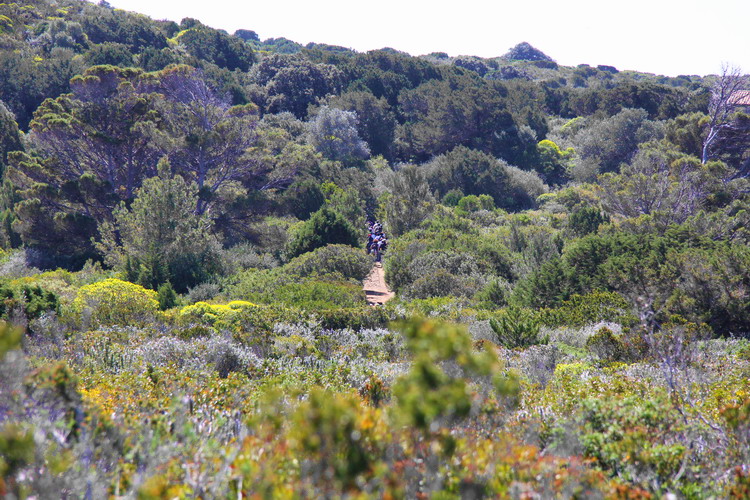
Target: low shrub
(202, 293)
(494, 294)
(31, 301)
(313, 295)
(355, 318)
(441, 283)
(594, 307)
(276, 286)
(216, 315)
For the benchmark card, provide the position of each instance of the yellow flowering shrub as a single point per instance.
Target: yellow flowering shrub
(213, 314)
(115, 302)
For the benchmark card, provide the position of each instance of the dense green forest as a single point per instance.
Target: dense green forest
(182, 233)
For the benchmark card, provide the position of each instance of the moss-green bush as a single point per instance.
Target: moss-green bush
(325, 227)
(355, 318)
(283, 286)
(590, 308)
(349, 262)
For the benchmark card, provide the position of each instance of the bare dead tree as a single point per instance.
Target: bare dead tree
(726, 97)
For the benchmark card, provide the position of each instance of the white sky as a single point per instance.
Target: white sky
(668, 37)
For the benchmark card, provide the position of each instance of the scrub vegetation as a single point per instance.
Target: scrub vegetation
(182, 228)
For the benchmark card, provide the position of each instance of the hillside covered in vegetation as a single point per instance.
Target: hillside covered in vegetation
(182, 229)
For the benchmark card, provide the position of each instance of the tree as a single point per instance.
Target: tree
(468, 170)
(376, 122)
(524, 51)
(116, 54)
(613, 141)
(292, 83)
(408, 201)
(94, 147)
(553, 162)
(161, 228)
(10, 138)
(459, 111)
(247, 35)
(662, 183)
(687, 132)
(280, 153)
(103, 128)
(90, 150)
(333, 132)
(219, 48)
(209, 138)
(27, 82)
(476, 173)
(727, 96)
(346, 202)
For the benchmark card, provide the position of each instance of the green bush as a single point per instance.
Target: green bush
(31, 300)
(313, 295)
(452, 197)
(586, 220)
(167, 297)
(303, 198)
(355, 318)
(473, 203)
(440, 283)
(493, 295)
(517, 328)
(606, 346)
(351, 263)
(325, 227)
(587, 309)
(427, 395)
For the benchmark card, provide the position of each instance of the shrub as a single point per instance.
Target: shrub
(441, 283)
(202, 293)
(245, 256)
(351, 263)
(586, 220)
(452, 197)
(314, 295)
(355, 318)
(167, 296)
(524, 188)
(606, 346)
(219, 315)
(494, 294)
(474, 203)
(324, 227)
(594, 307)
(303, 198)
(31, 300)
(428, 395)
(115, 302)
(516, 327)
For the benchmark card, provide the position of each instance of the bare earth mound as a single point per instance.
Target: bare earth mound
(375, 288)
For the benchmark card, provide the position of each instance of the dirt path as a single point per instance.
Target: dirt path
(375, 288)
